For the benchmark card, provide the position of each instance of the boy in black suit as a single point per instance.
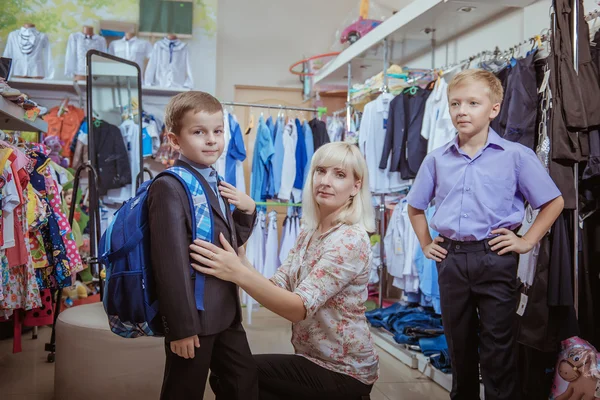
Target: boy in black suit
(213, 338)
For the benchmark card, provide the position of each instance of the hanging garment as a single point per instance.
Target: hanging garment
(310, 148)
(221, 164)
(236, 154)
(428, 274)
(335, 129)
(401, 245)
(255, 252)
(277, 159)
(437, 124)
(517, 119)
(272, 247)
(131, 133)
(301, 156)
(77, 47)
(319, 130)
(111, 158)
(403, 140)
(134, 49)
(262, 170)
(169, 65)
(64, 126)
(290, 140)
(30, 52)
(370, 142)
(528, 261)
(288, 237)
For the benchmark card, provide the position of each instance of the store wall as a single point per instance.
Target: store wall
(59, 18)
(504, 32)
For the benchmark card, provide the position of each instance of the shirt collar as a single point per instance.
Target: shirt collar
(133, 39)
(493, 140)
(383, 102)
(209, 173)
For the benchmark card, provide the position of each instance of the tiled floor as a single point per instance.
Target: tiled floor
(27, 376)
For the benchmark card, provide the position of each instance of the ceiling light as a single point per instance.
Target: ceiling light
(466, 9)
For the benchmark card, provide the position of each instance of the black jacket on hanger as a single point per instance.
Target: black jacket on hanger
(111, 158)
(319, 130)
(403, 134)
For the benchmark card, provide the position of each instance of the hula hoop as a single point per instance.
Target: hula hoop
(310, 59)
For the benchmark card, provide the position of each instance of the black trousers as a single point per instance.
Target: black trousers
(226, 354)
(478, 293)
(291, 377)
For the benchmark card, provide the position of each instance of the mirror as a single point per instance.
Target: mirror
(115, 145)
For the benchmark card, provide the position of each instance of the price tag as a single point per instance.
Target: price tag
(522, 304)
(398, 247)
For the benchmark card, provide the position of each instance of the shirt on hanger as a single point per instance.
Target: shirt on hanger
(370, 141)
(261, 163)
(437, 122)
(290, 139)
(236, 155)
(271, 247)
(130, 131)
(221, 164)
(10, 201)
(319, 130)
(255, 252)
(169, 65)
(134, 49)
(77, 47)
(279, 155)
(301, 156)
(30, 53)
(310, 148)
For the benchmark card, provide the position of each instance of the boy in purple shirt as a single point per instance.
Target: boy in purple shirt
(480, 182)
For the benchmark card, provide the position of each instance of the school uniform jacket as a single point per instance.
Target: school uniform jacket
(171, 235)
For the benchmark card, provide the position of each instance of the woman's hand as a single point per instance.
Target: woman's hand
(241, 200)
(220, 263)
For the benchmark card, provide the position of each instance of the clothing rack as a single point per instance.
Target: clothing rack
(277, 204)
(275, 107)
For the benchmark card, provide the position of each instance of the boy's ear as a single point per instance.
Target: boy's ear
(495, 111)
(173, 140)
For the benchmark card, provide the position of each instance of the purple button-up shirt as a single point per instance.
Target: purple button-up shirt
(474, 196)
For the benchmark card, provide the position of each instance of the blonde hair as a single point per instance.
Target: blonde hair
(358, 210)
(494, 86)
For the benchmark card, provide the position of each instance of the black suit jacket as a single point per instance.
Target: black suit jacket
(403, 134)
(171, 235)
(111, 158)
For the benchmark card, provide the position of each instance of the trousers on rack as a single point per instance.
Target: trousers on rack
(478, 290)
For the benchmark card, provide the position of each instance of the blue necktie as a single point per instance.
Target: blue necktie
(171, 46)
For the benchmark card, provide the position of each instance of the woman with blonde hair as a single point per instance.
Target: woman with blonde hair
(321, 287)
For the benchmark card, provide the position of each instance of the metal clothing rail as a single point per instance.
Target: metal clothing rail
(274, 107)
(276, 204)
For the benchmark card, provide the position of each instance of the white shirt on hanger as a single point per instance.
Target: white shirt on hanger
(290, 139)
(437, 123)
(404, 247)
(134, 49)
(255, 252)
(10, 201)
(77, 47)
(30, 53)
(371, 141)
(528, 261)
(220, 165)
(272, 247)
(288, 238)
(169, 65)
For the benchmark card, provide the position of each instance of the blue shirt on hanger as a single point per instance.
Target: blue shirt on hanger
(310, 147)
(277, 159)
(428, 275)
(261, 163)
(300, 157)
(235, 152)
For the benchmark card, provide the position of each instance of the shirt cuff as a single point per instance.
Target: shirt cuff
(309, 299)
(278, 281)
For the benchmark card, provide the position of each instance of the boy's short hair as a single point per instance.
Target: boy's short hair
(189, 101)
(495, 90)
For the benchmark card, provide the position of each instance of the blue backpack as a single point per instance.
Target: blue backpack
(130, 298)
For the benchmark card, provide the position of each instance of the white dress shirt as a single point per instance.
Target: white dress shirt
(437, 123)
(220, 165)
(371, 140)
(134, 49)
(30, 53)
(272, 247)
(290, 139)
(400, 247)
(255, 252)
(77, 47)
(169, 65)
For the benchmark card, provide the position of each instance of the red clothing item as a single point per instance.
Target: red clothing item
(64, 126)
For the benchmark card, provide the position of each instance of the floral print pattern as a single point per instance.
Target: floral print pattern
(330, 273)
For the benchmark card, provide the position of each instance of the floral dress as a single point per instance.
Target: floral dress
(330, 274)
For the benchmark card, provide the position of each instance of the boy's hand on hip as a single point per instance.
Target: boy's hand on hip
(508, 241)
(186, 348)
(434, 251)
(240, 200)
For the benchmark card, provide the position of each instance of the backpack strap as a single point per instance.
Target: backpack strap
(200, 278)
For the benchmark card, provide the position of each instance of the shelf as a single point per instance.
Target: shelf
(12, 118)
(407, 38)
